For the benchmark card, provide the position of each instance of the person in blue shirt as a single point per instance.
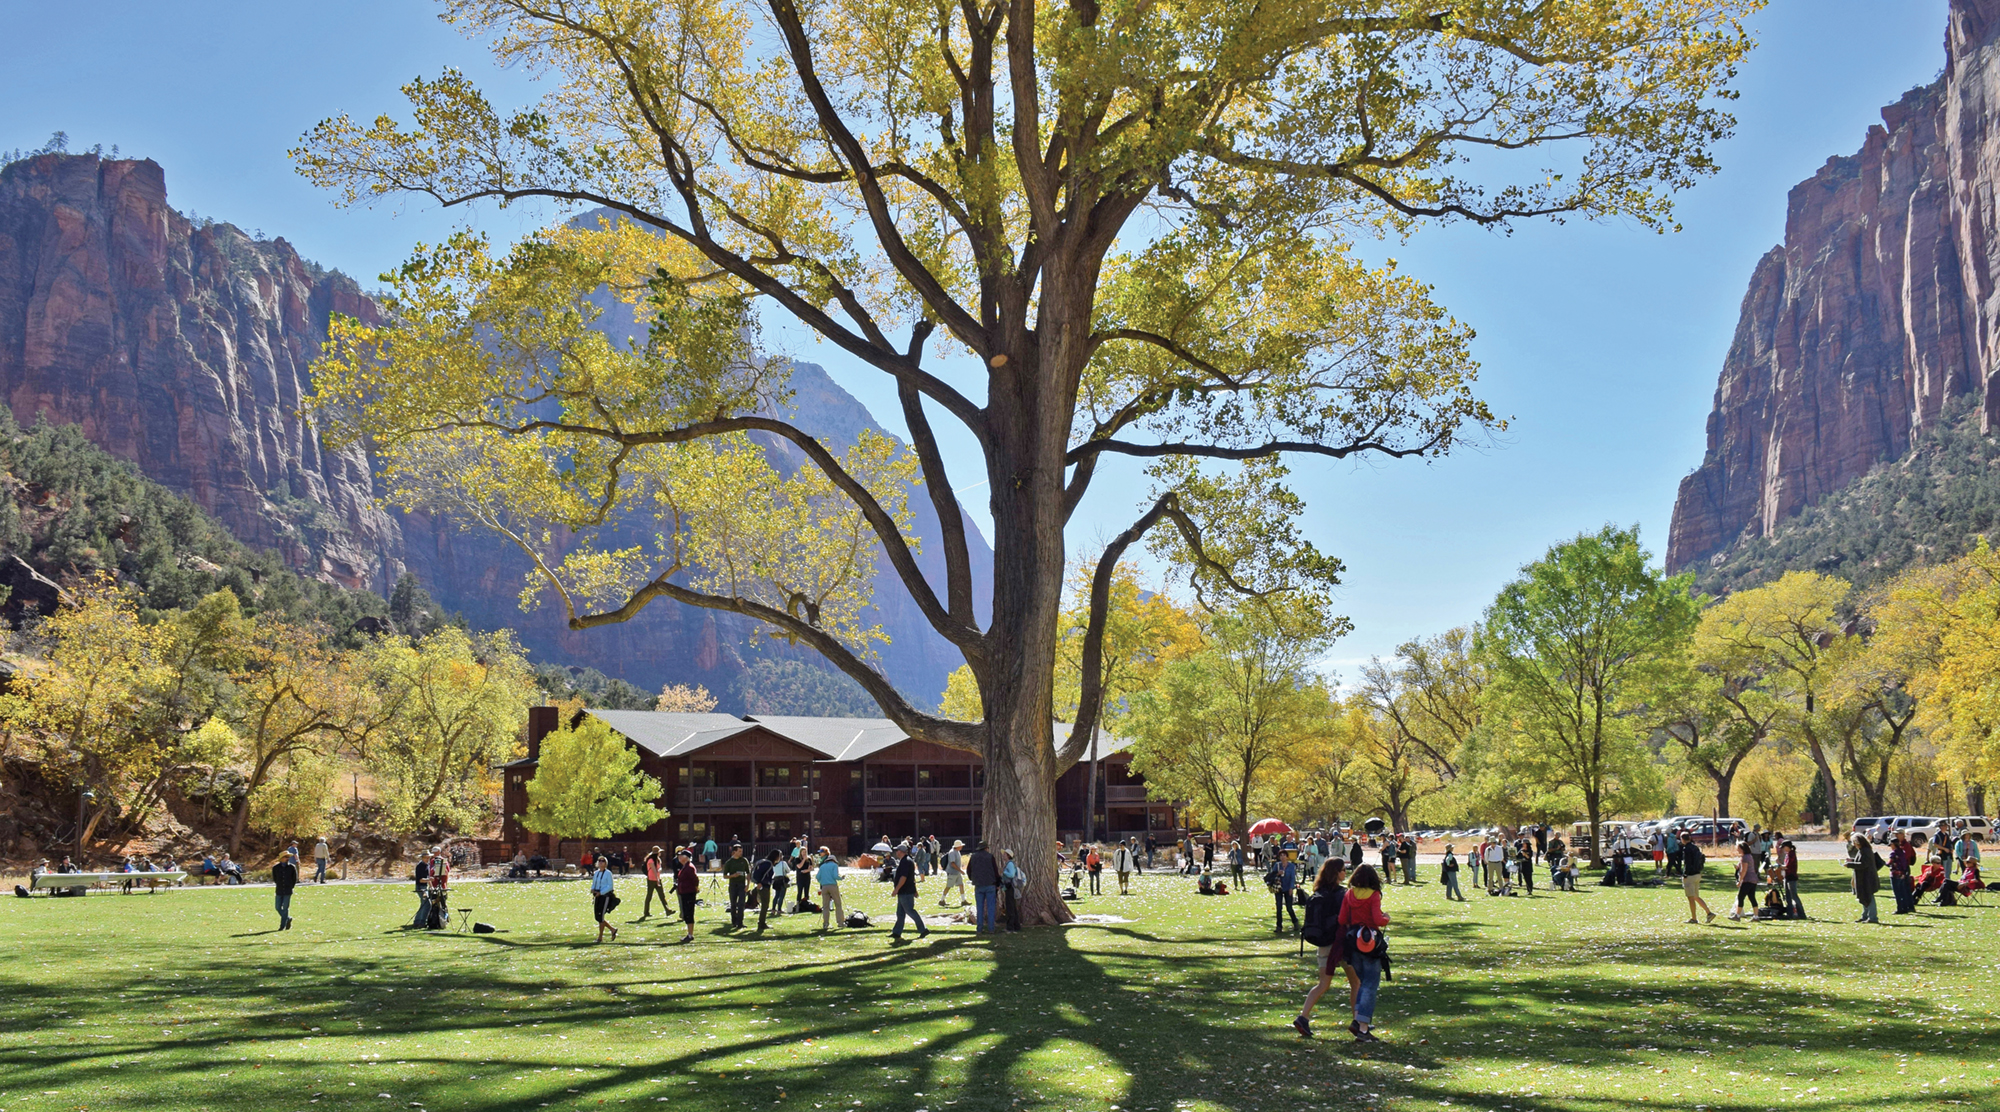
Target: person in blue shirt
(827, 875)
(602, 897)
(1288, 882)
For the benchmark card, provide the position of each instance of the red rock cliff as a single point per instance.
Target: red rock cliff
(185, 350)
(1882, 303)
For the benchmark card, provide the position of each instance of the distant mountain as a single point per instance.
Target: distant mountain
(186, 349)
(1878, 315)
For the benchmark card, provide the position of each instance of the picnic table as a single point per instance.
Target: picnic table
(152, 880)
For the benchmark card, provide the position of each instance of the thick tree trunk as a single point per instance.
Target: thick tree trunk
(1723, 782)
(1832, 785)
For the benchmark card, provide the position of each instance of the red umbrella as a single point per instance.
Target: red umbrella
(1269, 826)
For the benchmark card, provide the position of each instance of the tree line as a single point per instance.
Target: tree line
(1593, 686)
(272, 713)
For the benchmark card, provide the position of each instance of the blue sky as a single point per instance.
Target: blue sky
(1600, 342)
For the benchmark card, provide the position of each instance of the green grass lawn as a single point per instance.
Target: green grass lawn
(1600, 1000)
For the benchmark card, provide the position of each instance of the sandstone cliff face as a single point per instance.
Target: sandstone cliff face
(184, 350)
(187, 350)
(1882, 304)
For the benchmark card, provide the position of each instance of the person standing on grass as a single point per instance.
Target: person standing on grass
(1494, 857)
(984, 873)
(781, 882)
(1448, 874)
(954, 874)
(906, 894)
(1475, 863)
(1902, 855)
(1333, 955)
(1406, 848)
(1123, 862)
(285, 874)
(654, 885)
(1012, 881)
(603, 897)
(1286, 884)
(1867, 877)
(827, 875)
(736, 874)
(687, 887)
(761, 875)
(1692, 861)
(321, 855)
(1746, 880)
(1236, 865)
(1363, 921)
(1524, 859)
(1788, 864)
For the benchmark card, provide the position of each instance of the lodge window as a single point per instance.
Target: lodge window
(696, 778)
(854, 827)
(775, 776)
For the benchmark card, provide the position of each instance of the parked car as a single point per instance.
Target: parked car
(1982, 831)
(1920, 829)
(1709, 832)
(1868, 824)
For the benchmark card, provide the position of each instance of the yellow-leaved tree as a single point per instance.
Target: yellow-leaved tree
(1131, 225)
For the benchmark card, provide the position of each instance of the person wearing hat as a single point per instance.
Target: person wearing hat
(736, 872)
(687, 886)
(1288, 882)
(1448, 874)
(954, 873)
(906, 894)
(285, 874)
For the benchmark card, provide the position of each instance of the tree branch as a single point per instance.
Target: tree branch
(937, 482)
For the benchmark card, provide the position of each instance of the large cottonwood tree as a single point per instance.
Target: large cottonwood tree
(1131, 223)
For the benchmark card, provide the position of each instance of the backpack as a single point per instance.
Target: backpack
(1366, 942)
(1321, 926)
(1274, 876)
(1695, 860)
(857, 919)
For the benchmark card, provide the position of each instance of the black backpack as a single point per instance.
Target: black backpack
(1321, 925)
(1695, 860)
(1274, 876)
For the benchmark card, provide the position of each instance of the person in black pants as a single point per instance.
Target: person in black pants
(1288, 882)
(760, 879)
(687, 886)
(736, 871)
(285, 874)
(906, 896)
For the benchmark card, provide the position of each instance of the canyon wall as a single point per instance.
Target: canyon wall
(1881, 305)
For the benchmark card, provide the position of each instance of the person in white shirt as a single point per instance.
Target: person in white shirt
(602, 896)
(321, 855)
(1497, 882)
(1124, 862)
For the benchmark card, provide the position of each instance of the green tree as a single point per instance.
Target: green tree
(587, 783)
(455, 702)
(1137, 218)
(1221, 725)
(1572, 646)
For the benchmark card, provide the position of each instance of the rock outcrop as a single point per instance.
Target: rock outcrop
(184, 349)
(187, 349)
(1881, 305)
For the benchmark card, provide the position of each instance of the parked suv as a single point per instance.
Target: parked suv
(1868, 825)
(1920, 829)
(1982, 831)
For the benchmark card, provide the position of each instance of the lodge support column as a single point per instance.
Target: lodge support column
(752, 850)
(865, 827)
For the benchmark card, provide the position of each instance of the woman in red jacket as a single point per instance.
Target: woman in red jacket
(1362, 921)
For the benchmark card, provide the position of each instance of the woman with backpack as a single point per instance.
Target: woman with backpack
(603, 897)
(1692, 860)
(1323, 930)
(1362, 921)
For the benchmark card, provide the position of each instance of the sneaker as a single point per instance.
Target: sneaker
(1303, 1026)
(1711, 916)
(1369, 1036)
(1692, 920)
(1354, 1028)
(1735, 916)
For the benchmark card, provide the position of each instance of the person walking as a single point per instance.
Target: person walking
(827, 875)
(1746, 880)
(736, 874)
(1286, 882)
(1475, 863)
(781, 882)
(984, 872)
(603, 897)
(1362, 920)
(1867, 876)
(906, 894)
(1124, 864)
(761, 876)
(1152, 844)
(1448, 874)
(322, 854)
(1692, 861)
(654, 885)
(1012, 882)
(1788, 864)
(1332, 955)
(285, 874)
(687, 888)
(954, 874)
(1902, 855)
(1524, 863)
(1387, 855)
(921, 852)
(1406, 848)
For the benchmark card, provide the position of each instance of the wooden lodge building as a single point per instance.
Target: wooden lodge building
(841, 782)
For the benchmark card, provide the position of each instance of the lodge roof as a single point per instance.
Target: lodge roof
(674, 734)
(677, 734)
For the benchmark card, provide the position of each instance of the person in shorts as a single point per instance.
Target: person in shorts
(1333, 956)
(1691, 864)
